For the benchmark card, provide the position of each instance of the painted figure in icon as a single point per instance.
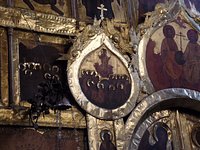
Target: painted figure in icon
(52, 3)
(104, 69)
(106, 143)
(161, 138)
(192, 59)
(169, 48)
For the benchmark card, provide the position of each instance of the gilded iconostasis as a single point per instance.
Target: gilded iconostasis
(99, 74)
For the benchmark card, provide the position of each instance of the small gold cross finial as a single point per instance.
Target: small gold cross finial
(102, 8)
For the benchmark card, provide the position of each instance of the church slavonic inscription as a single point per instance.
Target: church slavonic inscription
(106, 137)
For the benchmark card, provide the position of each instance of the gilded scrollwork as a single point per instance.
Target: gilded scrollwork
(118, 33)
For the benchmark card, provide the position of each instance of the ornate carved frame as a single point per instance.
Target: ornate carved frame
(33, 22)
(73, 72)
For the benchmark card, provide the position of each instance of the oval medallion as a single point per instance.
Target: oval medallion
(101, 81)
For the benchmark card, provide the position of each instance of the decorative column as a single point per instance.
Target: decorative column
(10, 61)
(74, 11)
(132, 7)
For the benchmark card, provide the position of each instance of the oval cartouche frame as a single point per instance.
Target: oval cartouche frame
(73, 80)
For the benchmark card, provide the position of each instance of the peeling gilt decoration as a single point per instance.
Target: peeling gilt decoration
(40, 22)
(4, 69)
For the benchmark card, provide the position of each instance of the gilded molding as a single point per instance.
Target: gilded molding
(71, 118)
(40, 22)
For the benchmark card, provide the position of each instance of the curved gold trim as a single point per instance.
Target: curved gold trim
(149, 103)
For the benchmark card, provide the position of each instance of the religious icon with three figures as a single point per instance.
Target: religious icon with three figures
(106, 137)
(174, 62)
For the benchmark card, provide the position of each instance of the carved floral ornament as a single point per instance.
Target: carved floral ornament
(99, 76)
